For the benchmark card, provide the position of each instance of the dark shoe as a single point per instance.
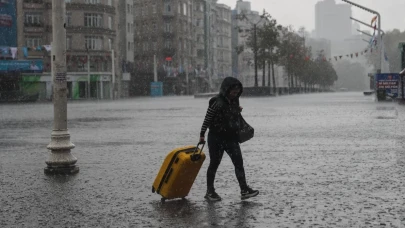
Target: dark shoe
(248, 193)
(212, 196)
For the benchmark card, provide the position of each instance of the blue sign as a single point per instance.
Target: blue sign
(156, 89)
(8, 23)
(389, 83)
(24, 66)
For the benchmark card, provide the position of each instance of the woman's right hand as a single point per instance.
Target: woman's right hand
(202, 139)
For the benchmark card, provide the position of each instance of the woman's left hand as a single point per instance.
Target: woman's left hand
(241, 108)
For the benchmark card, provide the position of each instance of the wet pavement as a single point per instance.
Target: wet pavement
(319, 160)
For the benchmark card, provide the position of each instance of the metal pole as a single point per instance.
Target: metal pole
(364, 33)
(379, 39)
(206, 36)
(365, 24)
(186, 70)
(113, 73)
(60, 160)
(255, 53)
(154, 69)
(88, 76)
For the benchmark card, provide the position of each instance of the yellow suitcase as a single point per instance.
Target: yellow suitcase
(178, 172)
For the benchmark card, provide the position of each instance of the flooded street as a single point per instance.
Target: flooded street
(319, 160)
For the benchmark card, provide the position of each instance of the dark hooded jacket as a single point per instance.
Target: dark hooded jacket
(225, 123)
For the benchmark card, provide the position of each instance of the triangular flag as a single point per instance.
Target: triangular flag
(357, 54)
(373, 20)
(340, 57)
(365, 51)
(351, 56)
(371, 50)
(336, 58)
(347, 55)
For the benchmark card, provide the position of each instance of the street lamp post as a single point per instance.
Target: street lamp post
(364, 33)
(60, 160)
(242, 17)
(379, 28)
(255, 53)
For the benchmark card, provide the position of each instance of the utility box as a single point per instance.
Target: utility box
(156, 89)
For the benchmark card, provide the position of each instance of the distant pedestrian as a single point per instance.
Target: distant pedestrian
(222, 119)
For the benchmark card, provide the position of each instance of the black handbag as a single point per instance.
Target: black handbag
(246, 131)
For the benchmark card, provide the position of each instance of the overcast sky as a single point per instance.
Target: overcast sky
(302, 12)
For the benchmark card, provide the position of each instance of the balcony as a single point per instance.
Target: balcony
(34, 27)
(168, 14)
(87, 7)
(169, 51)
(88, 30)
(168, 34)
(38, 4)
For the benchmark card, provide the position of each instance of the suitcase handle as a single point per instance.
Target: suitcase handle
(195, 156)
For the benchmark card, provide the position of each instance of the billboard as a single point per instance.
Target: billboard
(8, 23)
(24, 66)
(389, 83)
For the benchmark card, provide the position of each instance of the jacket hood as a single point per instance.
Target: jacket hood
(227, 84)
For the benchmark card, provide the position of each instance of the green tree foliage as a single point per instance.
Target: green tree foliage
(283, 46)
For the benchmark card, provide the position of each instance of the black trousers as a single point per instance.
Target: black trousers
(217, 145)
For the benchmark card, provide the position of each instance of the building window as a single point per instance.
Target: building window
(110, 22)
(200, 53)
(168, 44)
(93, 20)
(110, 44)
(185, 9)
(33, 41)
(128, 27)
(33, 19)
(154, 45)
(167, 27)
(68, 19)
(92, 1)
(199, 23)
(180, 45)
(68, 1)
(168, 8)
(109, 2)
(128, 8)
(129, 46)
(154, 11)
(93, 42)
(145, 46)
(68, 43)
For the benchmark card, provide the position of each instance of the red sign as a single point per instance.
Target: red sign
(168, 58)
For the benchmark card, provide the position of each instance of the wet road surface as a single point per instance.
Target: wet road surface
(319, 160)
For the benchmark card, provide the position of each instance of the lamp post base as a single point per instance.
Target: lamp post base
(61, 160)
(70, 170)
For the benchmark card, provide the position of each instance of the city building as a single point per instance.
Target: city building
(93, 31)
(125, 45)
(319, 47)
(186, 36)
(332, 21)
(224, 41)
(243, 20)
(164, 30)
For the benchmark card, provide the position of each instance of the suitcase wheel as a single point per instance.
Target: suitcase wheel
(163, 200)
(153, 189)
